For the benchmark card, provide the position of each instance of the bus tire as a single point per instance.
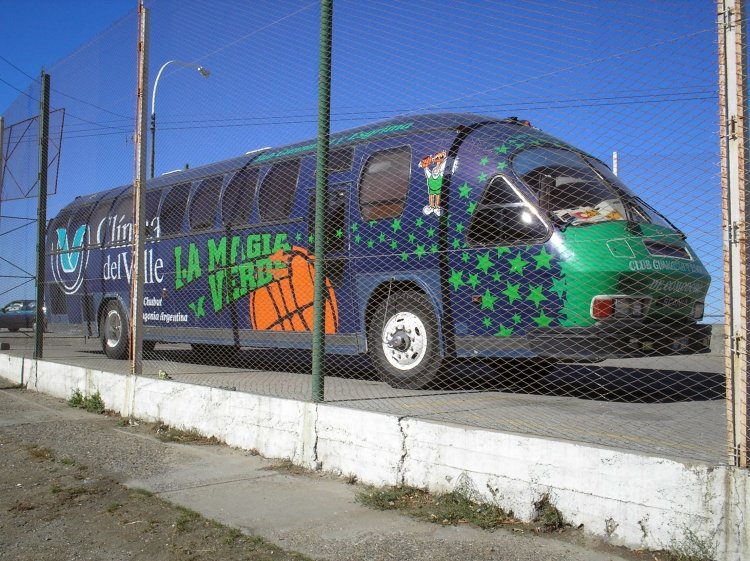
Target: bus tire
(403, 341)
(114, 331)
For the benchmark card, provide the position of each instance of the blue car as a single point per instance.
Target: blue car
(19, 314)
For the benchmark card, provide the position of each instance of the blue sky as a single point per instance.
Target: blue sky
(38, 33)
(635, 76)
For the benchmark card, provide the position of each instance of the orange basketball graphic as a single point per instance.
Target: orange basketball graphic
(286, 303)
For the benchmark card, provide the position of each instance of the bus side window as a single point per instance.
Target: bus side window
(385, 183)
(503, 217)
(81, 218)
(237, 201)
(120, 222)
(99, 222)
(173, 209)
(277, 191)
(205, 202)
(152, 218)
(340, 159)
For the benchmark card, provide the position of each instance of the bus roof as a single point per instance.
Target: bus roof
(409, 124)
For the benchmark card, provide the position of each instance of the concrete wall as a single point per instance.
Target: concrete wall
(626, 498)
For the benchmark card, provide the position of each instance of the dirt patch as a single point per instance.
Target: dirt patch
(53, 508)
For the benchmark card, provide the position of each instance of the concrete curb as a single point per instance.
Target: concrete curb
(625, 498)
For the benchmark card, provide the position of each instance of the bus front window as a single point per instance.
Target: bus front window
(568, 187)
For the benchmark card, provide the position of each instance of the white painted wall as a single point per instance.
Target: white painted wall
(628, 499)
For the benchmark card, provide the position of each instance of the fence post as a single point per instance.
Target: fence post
(733, 162)
(321, 193)
(139, 196)
(41, 217)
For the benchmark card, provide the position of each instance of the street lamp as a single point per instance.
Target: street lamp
(203, 72)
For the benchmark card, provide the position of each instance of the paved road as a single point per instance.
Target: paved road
(670, 406)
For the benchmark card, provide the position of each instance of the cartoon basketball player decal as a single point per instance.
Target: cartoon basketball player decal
(434, 176)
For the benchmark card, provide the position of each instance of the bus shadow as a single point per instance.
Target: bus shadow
(582, 381)
(592, 382)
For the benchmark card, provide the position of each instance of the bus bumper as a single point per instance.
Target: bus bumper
(620, 339)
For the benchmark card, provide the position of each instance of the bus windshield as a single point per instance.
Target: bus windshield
(568, 187)
(576, 189)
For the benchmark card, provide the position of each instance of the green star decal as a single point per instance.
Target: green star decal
(355, 227)
(197, 307)
(459, 227)
(511, 291)
(484, 161)
(487, 322)
(504, 331)
(516, 319)
(357, 238)
(559, 286)
(396, 225)
(404, 256)
(465, 257)
(488, 300)
(482, 178)
(536, 296)
(484, 263)
(298, 236)
(339, 233)
(456, 243)
(381, 237)
(370, 244)
(431, 233)
(311, 238)
(464, 191)
(420, 251)
(456, 279)
(543, 259)
(372, 223)
(394, 244)
(419, 223)
(501, 149)
(496, 276)
(502, 250)
(542, 320)
(434, 248)
(473, 281)
(471, 208)
(502, 165)
(517, 264)
(412, 238)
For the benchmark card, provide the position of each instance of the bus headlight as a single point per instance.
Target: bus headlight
(604, 306)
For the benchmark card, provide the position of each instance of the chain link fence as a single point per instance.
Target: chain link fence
(523, 215)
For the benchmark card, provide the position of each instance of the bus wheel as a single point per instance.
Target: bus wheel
(403, 341)
(114, 331)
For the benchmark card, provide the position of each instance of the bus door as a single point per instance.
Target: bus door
(337, 258)
(498, 264)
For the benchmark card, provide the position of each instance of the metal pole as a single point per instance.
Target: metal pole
(321, 191)
(732, 101)
(2, 156)
(41, 218)
(153, 142)
(139, 199)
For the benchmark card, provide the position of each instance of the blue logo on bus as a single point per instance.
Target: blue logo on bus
(69, 260)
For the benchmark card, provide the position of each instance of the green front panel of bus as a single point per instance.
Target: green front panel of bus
(611, 258)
